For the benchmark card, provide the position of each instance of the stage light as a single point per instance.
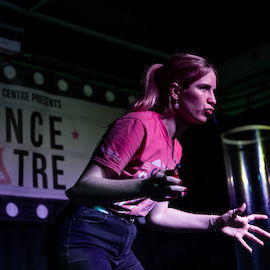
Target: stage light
(12, 209)
(10, 72)
(110, 96)
(88, 90)
(62, 85)
(38, 78)
(42, 211)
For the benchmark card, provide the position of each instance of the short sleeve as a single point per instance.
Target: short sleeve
(119, 144)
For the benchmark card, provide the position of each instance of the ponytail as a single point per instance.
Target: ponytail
(150, 97)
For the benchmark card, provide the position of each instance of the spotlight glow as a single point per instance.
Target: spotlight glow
(38, 78)
(110, 96)
(62, 85)
(12, 209)
(42, 211)
(88, 90)
(10, 72)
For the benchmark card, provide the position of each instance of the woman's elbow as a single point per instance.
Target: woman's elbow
(152, 222)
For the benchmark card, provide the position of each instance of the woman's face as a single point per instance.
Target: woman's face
(196, 104)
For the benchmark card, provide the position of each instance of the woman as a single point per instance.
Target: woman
(128, 176)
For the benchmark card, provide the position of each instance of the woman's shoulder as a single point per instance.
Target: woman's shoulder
(142, 115)
(140, 120)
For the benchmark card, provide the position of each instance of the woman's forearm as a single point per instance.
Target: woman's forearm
(174, 220)
(98, 190)
(97, 186)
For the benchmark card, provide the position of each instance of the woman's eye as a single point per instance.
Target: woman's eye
(205, 87)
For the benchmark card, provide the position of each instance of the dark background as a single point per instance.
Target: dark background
(115, 40)
(86, 38)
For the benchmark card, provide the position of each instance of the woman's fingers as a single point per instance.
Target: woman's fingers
(244, 244)
(256, 217)
(163, 180)
(240, 209)
(251, 236)
(161, 187)
(254, 238)
(258, 230)
(175, 191)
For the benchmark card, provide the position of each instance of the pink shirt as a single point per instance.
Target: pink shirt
(137, 146)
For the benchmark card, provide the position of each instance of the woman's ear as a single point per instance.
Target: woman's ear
(175, 90)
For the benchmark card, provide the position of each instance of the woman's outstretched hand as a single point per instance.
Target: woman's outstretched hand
(234, 225)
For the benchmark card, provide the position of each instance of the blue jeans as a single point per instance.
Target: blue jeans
(84, 238)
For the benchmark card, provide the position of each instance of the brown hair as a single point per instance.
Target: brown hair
(182, 68)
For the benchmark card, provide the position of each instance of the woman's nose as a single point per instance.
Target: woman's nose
(212, 99)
